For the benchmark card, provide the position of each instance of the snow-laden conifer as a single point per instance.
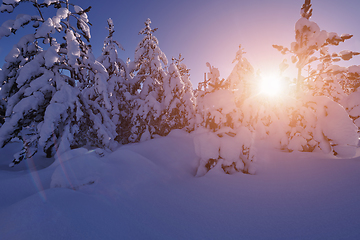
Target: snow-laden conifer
(242, 77)
(215, 103)
(147, 86)
(118, 85)
(54, 99)
(178, 99)
(221, 140)
(189, 96)
(320, 91)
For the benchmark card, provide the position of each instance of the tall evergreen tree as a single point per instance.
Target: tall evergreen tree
(118, 85)
(58, 93)
(242, 77)
(189, 96)
(311, 46)
(179, 108)
(221, 139)
(147, 85)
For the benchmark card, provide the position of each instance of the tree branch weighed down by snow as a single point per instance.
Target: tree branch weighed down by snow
(62, 111)
(56, 96)
(309, 40)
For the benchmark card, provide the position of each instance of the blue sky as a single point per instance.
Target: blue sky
(211, 31)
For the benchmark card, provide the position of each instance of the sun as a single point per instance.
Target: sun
(271, 86)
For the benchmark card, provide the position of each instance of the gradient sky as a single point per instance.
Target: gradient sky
(211, 31)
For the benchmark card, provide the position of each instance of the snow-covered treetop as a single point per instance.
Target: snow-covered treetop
(110, 27)
(214, 73)
(185, 75)
(184, 71)
(149, 44)
(109, 39)
(109, 57)
(147, 29)
(239, 55)
(149, 58)
(243, 71)
(173, 85)
(213, 81)
(306, 10)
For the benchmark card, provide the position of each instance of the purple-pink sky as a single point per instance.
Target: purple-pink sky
(211, 31)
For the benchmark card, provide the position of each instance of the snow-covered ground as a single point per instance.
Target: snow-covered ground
(149, 191)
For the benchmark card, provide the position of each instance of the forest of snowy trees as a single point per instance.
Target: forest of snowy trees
(56, 95)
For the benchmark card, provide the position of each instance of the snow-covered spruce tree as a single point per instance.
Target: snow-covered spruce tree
(185, 75)
(58, 90)
(221, 141)
(336, 133)
(179, 112)
(21, 53)
(109, 57)
(24, 61)
(118, 85)
(147, 86)
(311, 46)
(188, 97)
(205, 116)
(242, 77)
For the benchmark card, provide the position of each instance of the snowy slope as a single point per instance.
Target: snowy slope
(148, 191)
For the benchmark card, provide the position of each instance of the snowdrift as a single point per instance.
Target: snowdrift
(149, 191)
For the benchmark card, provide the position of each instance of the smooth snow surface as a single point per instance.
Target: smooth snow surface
(149, 191)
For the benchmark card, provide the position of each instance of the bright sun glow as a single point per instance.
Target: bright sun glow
(271, 86)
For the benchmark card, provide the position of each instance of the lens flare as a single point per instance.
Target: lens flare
(271, 86)
(36, 178)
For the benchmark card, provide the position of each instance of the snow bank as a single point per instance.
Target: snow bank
(138, 195)
(77, 169)
(233, 151)
(207, 145)
(333, 126)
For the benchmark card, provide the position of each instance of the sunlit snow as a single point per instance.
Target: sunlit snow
(150, 191)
